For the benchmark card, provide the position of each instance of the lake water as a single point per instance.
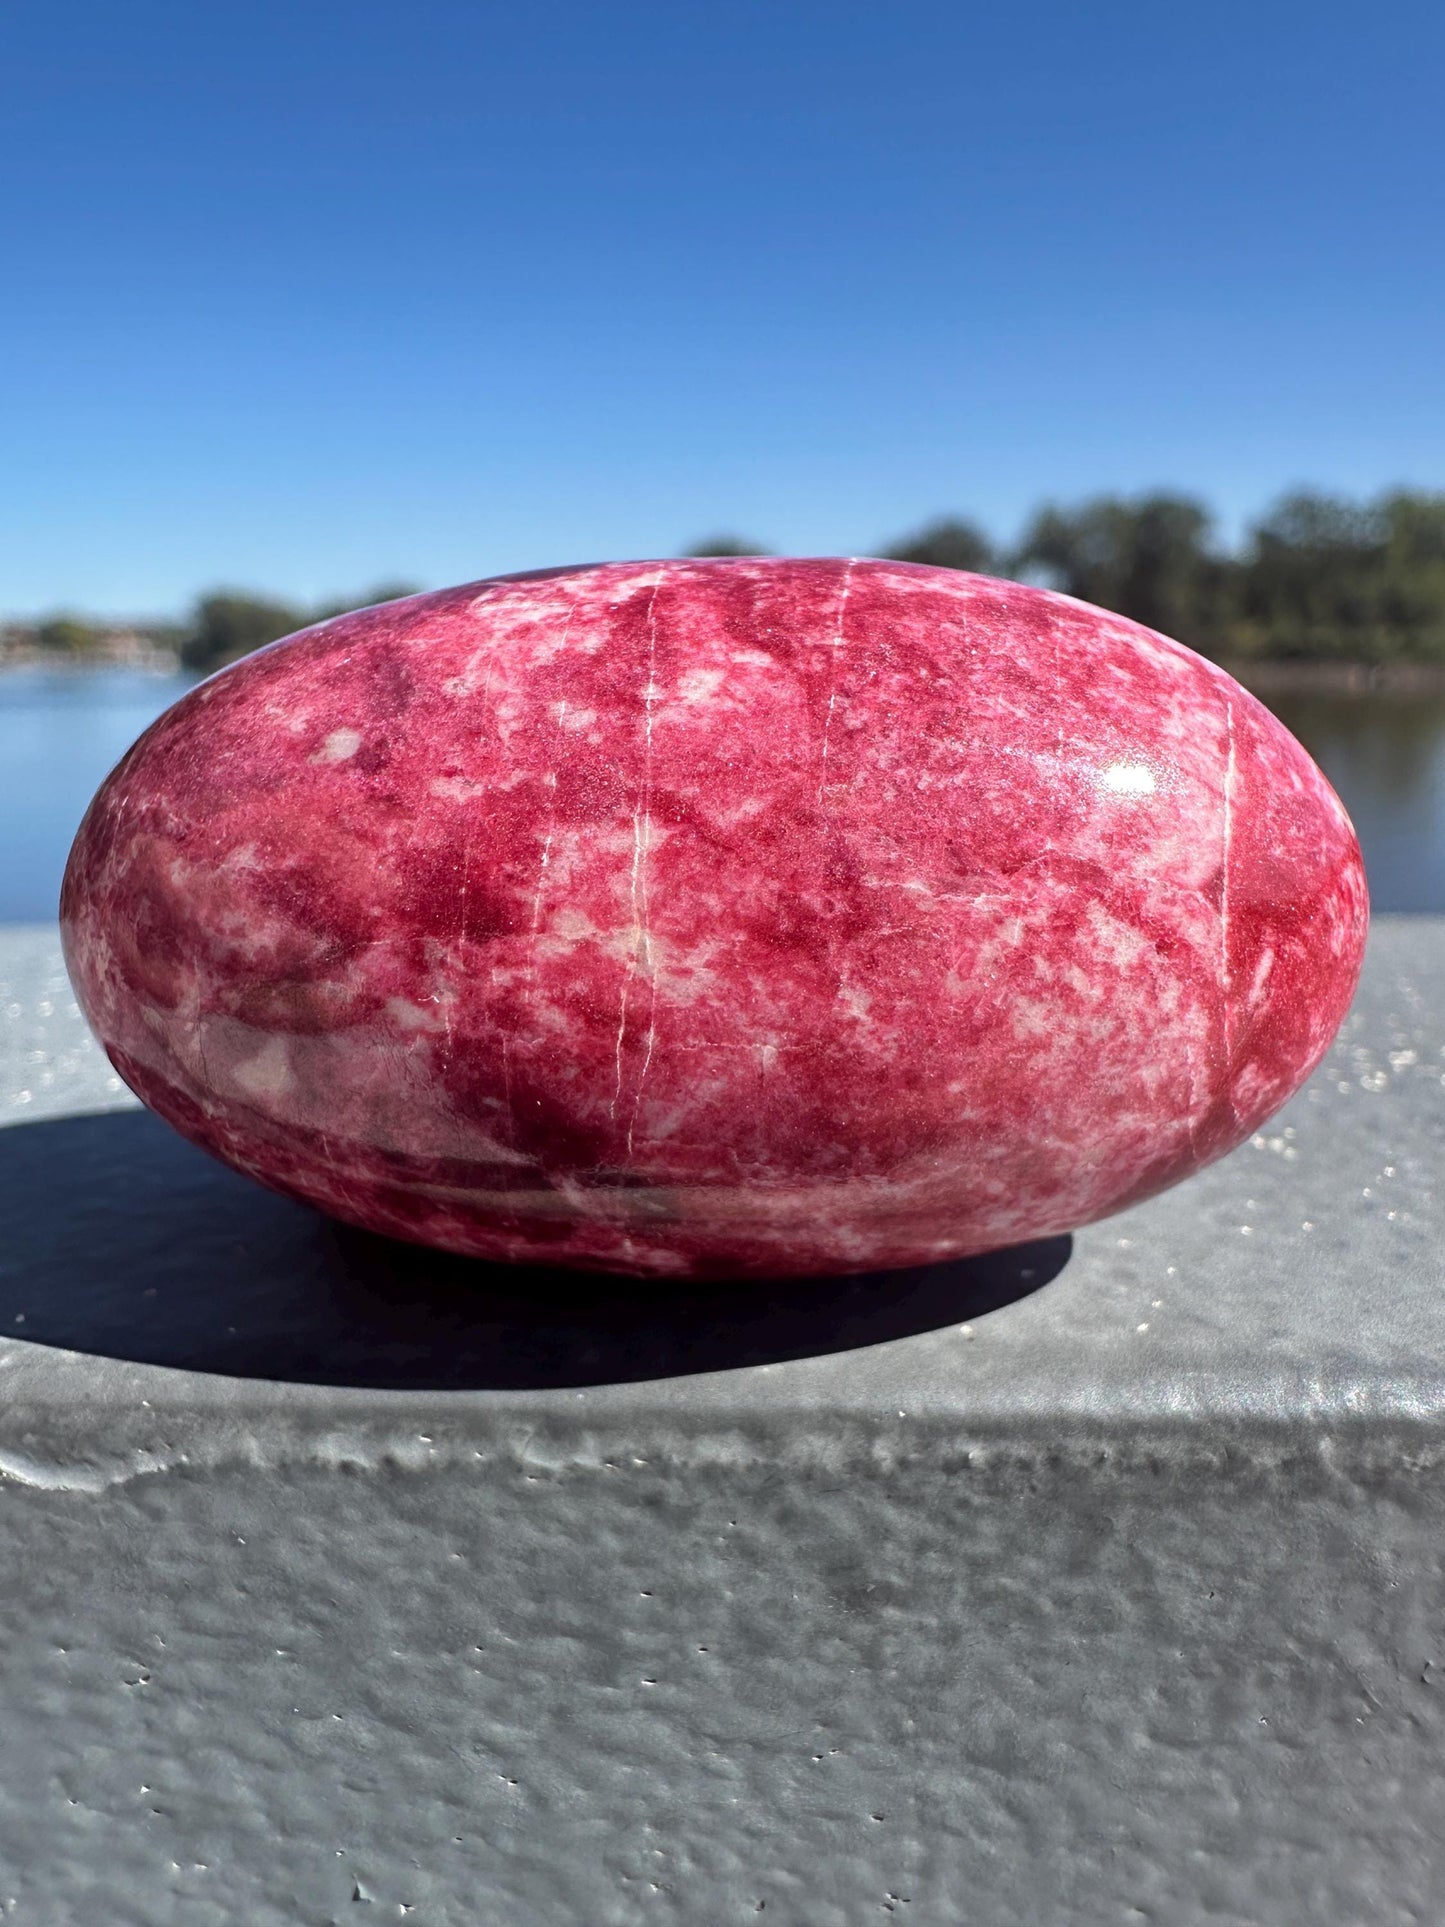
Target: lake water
(60, 733)
(1385, 755)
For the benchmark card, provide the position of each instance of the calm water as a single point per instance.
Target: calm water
(59, 734)
(1386, 757)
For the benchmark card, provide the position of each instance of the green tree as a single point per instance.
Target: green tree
(1311, 579)
(1414, 531)
(67, 636)
(1358, 582)
(1151, 558)
(382, 592)
(227, 624)
(949, 543)
(715, 545)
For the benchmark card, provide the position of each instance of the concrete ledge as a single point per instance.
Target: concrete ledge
(1099, 1580)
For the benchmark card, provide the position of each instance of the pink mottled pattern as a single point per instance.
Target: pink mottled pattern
(718, 918)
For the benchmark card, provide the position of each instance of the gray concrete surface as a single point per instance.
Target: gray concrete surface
(1099, 1581)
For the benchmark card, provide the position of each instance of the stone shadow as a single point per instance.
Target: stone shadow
(117, 1238)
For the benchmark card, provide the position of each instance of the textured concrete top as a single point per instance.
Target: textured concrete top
(1299, 1280)
(1083, 1584)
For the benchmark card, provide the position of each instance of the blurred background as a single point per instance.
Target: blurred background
(309, 304)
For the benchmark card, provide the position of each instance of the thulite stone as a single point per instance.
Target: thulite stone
(728, 917)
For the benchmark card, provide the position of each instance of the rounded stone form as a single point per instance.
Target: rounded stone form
(709, 918)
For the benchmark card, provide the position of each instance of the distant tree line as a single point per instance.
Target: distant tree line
(220, 627)
(1316, 578)
(227, 623)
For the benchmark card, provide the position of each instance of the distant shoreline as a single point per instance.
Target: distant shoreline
(1280, 677)
(146, 662)
(1303, 678)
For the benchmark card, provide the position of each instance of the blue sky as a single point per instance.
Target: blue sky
(300, 296)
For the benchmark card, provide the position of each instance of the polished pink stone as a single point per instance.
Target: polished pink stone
(724, 917)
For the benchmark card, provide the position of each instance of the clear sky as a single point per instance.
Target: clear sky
(298, 296)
